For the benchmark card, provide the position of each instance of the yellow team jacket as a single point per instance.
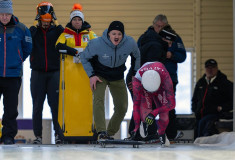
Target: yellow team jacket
(76, 40)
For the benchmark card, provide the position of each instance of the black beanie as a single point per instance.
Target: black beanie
(116, 25)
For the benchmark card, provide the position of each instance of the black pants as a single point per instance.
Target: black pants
(171, 130)
(42, 84)
(9, 88)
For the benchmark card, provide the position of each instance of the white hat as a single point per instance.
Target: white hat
(151, 80)
(76, 13)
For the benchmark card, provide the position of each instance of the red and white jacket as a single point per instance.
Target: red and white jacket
(164, 97)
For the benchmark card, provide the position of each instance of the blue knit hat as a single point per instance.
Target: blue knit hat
(6, 6)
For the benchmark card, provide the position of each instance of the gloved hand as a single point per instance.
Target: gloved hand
(149, 119)
(37, 17)
(54, 19)
(53, 16)
(35, 23)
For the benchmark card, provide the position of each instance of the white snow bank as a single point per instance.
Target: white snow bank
(222, 139)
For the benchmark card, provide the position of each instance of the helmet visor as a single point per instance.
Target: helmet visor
(45, 9)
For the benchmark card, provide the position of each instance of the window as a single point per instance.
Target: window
(183, 89)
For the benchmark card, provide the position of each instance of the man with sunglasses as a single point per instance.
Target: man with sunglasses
(45, 65)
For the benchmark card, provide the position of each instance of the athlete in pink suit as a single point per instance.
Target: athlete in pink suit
(152, 84)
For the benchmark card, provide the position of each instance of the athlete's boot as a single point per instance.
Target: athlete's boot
(103, 135)
(164, 140)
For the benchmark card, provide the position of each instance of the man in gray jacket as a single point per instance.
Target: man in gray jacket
(104, 62)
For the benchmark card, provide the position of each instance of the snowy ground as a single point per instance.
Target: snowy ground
(116, 152)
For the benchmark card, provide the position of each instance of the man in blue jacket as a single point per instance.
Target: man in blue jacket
(15, 47)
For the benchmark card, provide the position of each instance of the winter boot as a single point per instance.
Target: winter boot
(103, 135)
(164, 140)
(57, 139)
(38, 140)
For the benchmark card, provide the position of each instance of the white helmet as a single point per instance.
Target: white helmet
(151, 80)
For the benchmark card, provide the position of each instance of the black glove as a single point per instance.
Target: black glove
(54, 19)
(70, 51)
(37, 17)
(150, 119)
(53, 16)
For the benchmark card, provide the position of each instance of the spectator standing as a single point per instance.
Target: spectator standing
(104, 62)
(75, 99)
(45, 65)
(15, 47)
(154, 47)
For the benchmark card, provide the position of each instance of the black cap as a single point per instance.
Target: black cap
(116, 25)
(211, 62)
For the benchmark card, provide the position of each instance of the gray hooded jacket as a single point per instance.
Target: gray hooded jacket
(102, 58)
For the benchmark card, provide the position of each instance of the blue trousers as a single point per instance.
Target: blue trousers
(203, 124)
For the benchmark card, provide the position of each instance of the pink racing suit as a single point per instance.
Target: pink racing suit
(164, 97)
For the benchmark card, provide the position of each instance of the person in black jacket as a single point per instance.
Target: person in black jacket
(212, 96)
(156, 47)
(152, 48)
(45, 65)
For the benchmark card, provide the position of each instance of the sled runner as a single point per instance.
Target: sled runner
(135, 144)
